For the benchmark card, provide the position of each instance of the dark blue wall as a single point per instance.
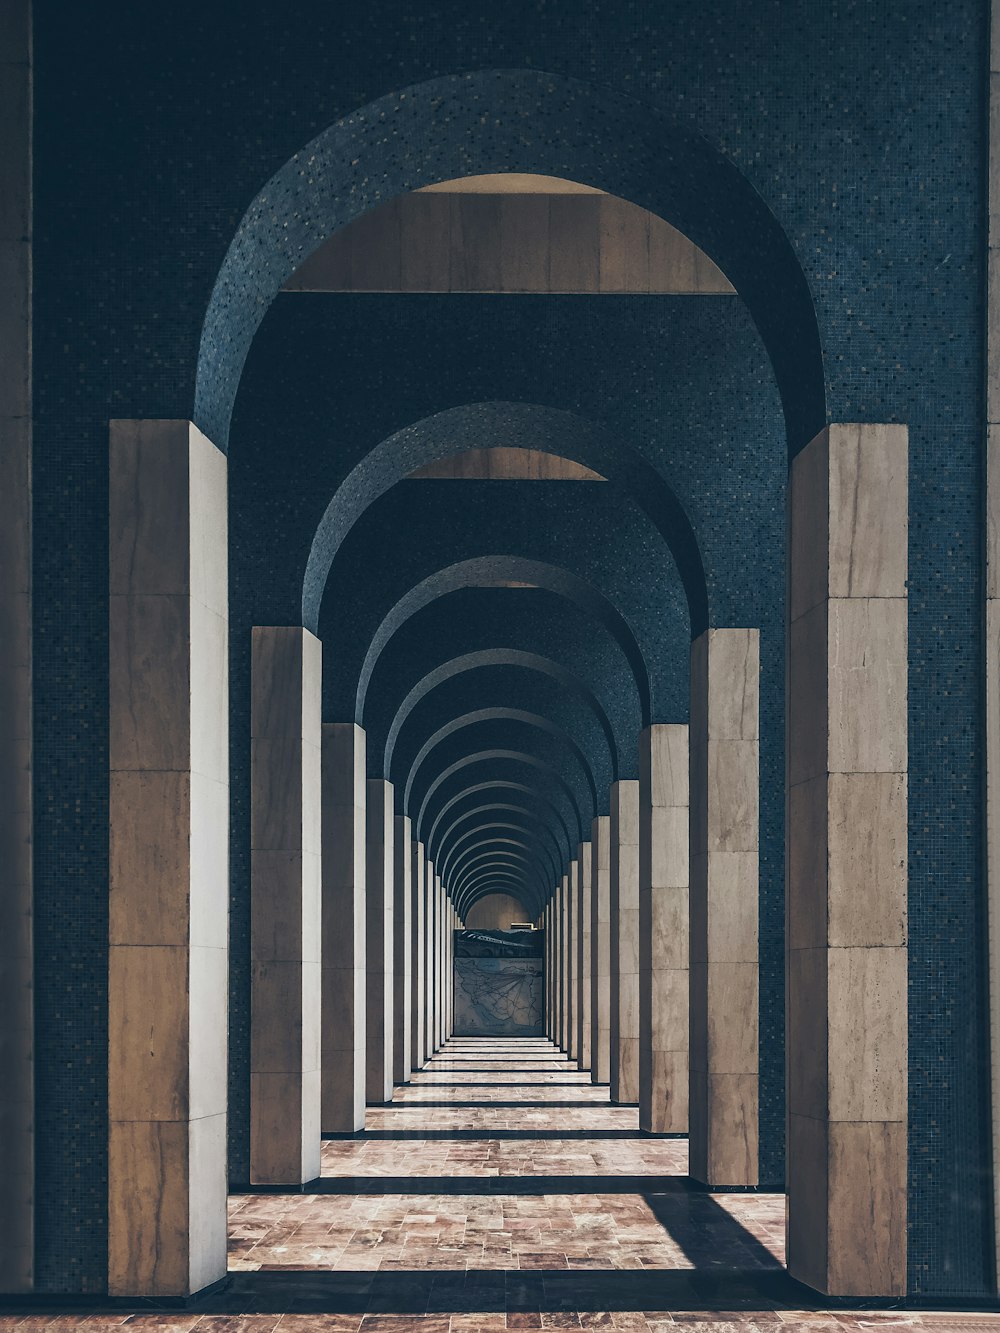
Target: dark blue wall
(862, 127)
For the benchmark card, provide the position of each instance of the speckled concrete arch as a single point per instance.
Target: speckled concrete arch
(486, 571)
(493, 657)
(520, 758)
(515, 631)
(500, 831)
(532, 721)
(524, 425)
(435, 841)
(512, 120)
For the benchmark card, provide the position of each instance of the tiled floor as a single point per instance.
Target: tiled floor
(501, 1190)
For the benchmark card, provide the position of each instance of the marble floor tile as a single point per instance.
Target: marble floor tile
(501, 1189)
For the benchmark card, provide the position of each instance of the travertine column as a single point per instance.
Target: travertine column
(169, 860)
(585, 862)
(442, 961)
(575, 945)
(565, 965)
(625, 941)
(17, 1022)
(380, 877)
(285, 818)
(402, 947)
(418, 1025)
(430, 1043)
(547, 928)
(344, 927)
(663, 929)
(846, 756)
(452, 923)
(600, 981)
(991, 661)
(725, 766)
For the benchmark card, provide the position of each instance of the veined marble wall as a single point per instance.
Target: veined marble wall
(499, 997)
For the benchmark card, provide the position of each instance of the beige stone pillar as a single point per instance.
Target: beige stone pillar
(624, 893)
(17, 1071)
(418, 1037)
(402, 951)
(585, 861)
(380, 877)
(344, 927)
(846, 867)
(168, 969)
(565, 974)
(456, 925)
(663, 929)
(285, 819)
(573, 958)
(991, 661)
(725, 767)
(430, 1043)
(547, 928)
(441, 961)
(600, 981)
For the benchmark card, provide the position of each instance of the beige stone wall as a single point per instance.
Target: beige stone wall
(496, 911)
(439, 241)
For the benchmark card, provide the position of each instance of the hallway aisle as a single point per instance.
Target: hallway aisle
(502, 1190)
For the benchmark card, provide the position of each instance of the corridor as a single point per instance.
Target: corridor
(501, 1189)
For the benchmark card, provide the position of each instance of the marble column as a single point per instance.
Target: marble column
(402, 950)
(663, 929)
(168, 963)
(585, 861)
(344, 927)
(285, 819)
(456, 925)
(575, 945)
(380, 874)
(624, 895)
(547, 928)
(566, 965)
(442, 962)
(725, 767)
(418, 1030)
(17, 1018)
(600, 980)
(430, 1043)
(846, 862)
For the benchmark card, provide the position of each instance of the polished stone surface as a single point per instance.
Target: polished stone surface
(468, 1219)
(499, 996)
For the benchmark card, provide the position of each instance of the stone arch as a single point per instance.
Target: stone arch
(474, 124)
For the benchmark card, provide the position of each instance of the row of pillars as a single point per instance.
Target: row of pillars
(651, 937)
(352, 977)
(652, 960)
(652, 953)
(351, 927)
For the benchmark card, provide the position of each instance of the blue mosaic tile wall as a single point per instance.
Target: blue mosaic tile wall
(862, 126)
